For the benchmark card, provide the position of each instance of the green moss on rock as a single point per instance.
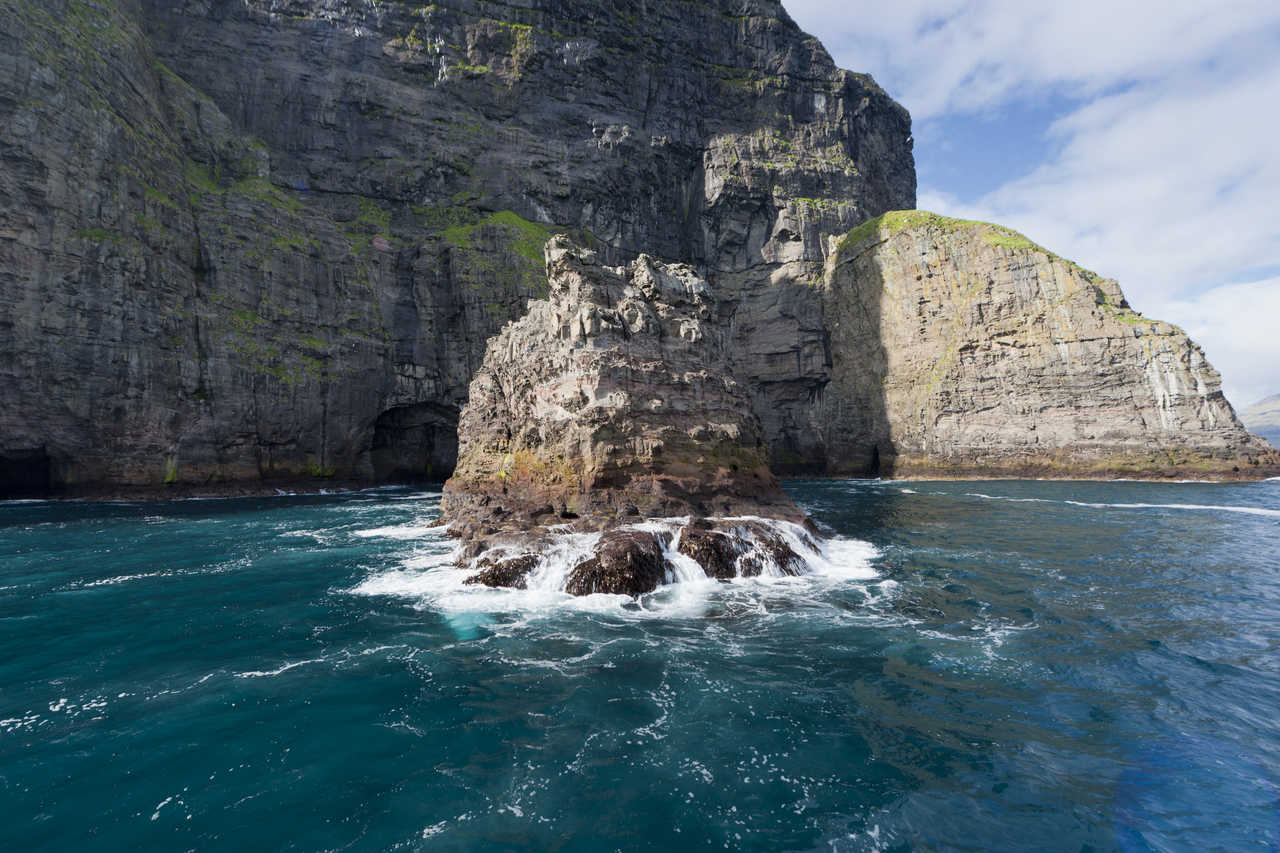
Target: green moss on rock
(529, 237)
(896, 221)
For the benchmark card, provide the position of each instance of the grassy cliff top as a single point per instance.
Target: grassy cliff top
(894, 222)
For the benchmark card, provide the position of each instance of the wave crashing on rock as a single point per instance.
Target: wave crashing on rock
(611, 402)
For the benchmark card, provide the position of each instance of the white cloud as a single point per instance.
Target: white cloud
(1221, 322)
(947, 56)
(1166, 176)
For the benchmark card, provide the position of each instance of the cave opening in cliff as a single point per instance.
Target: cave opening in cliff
(413, 443)
(25, 474)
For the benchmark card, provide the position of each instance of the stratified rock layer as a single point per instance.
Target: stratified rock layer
(611, 407)
(248, 240)
(611, 400)
(961, 348)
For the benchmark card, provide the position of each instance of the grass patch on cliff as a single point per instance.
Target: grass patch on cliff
(95, 235)
(529, 237)
(1123, 313)
(320, 471)
(201, 181)
(262, 190)
(371, 223)
(897, 221)
(295, 241)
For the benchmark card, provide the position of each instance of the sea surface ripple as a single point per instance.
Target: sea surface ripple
(971, 666)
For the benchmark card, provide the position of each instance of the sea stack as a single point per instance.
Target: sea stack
(607, 406)
(963, 349)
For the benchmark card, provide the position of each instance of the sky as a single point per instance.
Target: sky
(1140, 139)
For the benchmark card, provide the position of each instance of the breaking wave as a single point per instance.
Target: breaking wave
(430, 578)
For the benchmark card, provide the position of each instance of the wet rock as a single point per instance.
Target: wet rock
(511, 573)
(767, 549)
(469, 550)
(717, 553)
(782, 554)
(625, 563)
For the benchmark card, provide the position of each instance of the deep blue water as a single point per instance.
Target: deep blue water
(1013, 666)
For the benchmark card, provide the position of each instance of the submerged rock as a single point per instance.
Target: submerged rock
(636, 558)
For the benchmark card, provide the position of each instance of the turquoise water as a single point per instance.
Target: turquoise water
(1009, 666)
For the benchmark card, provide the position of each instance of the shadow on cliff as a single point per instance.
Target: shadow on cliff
(853, 412)
(26, 474)
(417, 442)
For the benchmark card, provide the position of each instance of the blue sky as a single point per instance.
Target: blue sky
(1141, 139)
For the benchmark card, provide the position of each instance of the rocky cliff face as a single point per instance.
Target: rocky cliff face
(611, 409)
(607, 404)
(242, 240)
(961, 348)
(612, 399)
(255, 239)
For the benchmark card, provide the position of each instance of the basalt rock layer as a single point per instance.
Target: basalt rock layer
(258, 239)
(963, 349)
(610, 403)
(613, 399)
(264, 239)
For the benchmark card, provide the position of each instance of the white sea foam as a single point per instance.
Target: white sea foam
(413, 530)
(1011, 500)
(29, 720)
(1248, 510)
(429, 578)
(269, 673)
(221, 568)
(118, 579)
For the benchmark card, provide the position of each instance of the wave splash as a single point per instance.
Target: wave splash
(433, 577)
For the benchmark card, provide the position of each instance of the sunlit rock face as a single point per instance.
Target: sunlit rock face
(610, 403)
(962, 348)
(613, 398)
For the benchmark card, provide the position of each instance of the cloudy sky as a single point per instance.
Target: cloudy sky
(1140, 139)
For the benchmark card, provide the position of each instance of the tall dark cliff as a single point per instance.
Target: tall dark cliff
(242, 239)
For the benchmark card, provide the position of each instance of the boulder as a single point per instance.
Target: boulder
(625, 563)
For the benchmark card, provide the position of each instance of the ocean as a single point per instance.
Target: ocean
(1009, 665)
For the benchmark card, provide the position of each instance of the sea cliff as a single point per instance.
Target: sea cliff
(257, 243)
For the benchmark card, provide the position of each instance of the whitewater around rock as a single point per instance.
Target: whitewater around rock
(610, 413)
